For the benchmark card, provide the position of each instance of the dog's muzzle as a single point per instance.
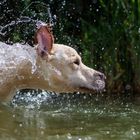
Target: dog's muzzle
(99, 81)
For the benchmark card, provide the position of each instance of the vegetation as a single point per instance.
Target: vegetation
(106, 33)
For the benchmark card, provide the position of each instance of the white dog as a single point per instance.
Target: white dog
(49, 66)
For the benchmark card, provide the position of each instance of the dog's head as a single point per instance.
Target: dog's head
(63, 67)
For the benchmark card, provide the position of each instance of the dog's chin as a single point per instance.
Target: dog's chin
(98, 86)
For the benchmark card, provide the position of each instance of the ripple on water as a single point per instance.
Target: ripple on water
(75, 117)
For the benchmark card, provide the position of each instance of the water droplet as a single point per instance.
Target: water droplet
(42, 132)
(139, 30)
(107, 132)
(20, 125)
(97, 10)
(103, 48)
(69, 136)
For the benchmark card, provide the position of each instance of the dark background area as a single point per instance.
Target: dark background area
(105, 32)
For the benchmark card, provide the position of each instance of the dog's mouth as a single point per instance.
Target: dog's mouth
(98, 86)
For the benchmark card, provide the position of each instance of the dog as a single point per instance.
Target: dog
(48, 66)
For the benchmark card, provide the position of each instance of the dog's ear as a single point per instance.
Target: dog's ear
(44, 40)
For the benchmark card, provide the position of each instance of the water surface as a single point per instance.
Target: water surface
(63, 117)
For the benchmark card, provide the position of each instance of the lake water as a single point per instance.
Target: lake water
(69, 117)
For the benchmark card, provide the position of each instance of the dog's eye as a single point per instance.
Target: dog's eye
(76, 62)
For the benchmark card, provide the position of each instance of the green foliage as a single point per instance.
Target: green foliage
(115, 43)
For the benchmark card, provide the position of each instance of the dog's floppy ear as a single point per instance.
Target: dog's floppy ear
(44, 40)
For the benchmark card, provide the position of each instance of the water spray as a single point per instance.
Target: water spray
(24, 19)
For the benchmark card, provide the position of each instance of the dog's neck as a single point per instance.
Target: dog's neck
(35, 74)
(28, 75)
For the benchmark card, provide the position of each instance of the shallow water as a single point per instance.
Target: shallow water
(62, 117)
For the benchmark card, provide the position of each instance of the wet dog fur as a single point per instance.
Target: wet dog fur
(49, 66)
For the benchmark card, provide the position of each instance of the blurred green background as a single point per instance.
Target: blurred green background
(105, 32)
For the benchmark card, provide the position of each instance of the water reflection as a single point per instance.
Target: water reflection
(76, 117)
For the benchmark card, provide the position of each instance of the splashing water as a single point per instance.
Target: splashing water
(11, 56)
(27, 55)
(31, 98)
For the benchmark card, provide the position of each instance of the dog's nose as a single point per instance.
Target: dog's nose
(100, 76)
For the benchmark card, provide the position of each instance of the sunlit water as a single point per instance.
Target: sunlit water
(49, 116)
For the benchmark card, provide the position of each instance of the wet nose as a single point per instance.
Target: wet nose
(100, 75)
